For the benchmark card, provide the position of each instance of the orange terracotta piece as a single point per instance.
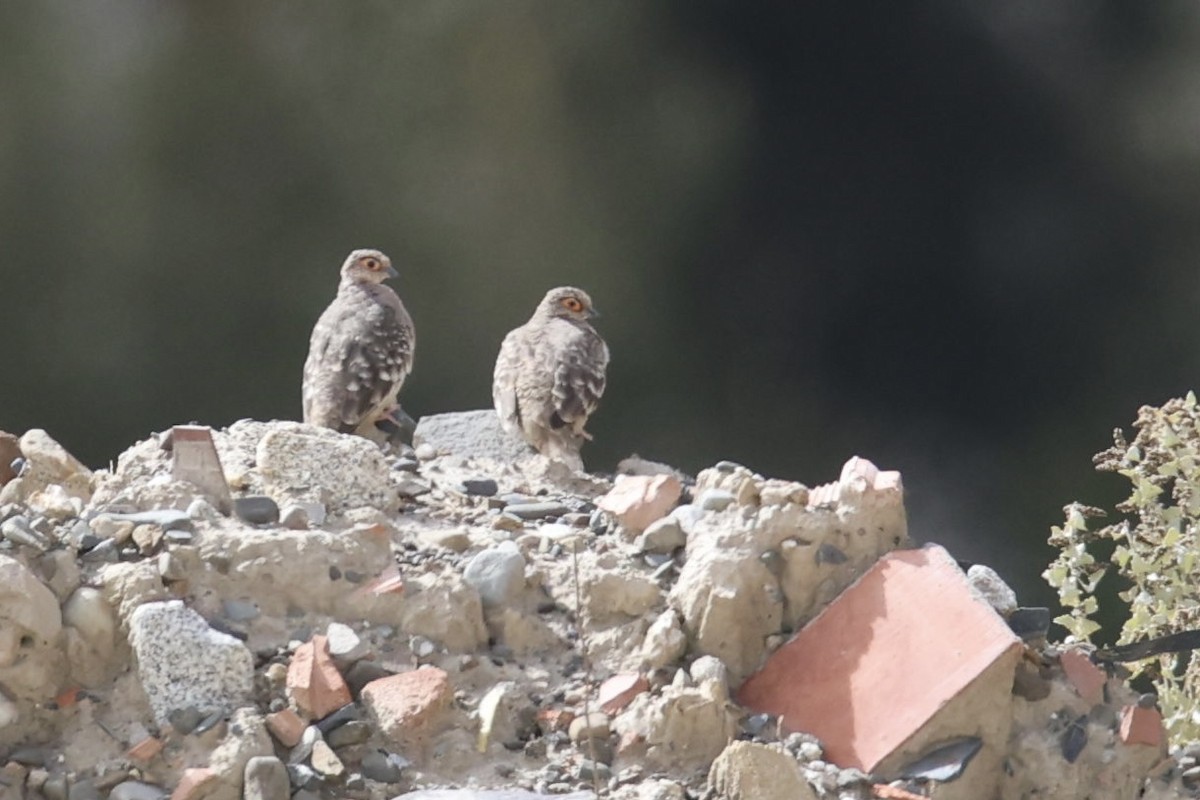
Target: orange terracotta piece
(145, 750)
(619, 691)
(638, 500)
(195, 783)
(1086, 677)
(286, 726)
(902, 648)
(406, 706)
(1142, 726)
(313, 682)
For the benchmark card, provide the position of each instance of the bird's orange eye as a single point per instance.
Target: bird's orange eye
(572, 304)
(372, 263)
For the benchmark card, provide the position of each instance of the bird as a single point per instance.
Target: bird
(550, 375)
(360, 351)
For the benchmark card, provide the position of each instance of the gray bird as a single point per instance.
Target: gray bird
(361, 350)
(550, 375)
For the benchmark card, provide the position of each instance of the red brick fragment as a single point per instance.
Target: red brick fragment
(286, 726)
(313, 682)
(1142, 726)
(879, 665)
(638, 500)
(885, 792)
(551, 720)
(619, 691)
(145, 750)
(1086, 677)
(407, 706)
(194, 784)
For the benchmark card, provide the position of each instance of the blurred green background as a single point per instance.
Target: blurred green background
(958, 239)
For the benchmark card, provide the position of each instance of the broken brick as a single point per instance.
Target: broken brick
(550, 720)
(313, 681)
(194, 783)
(905, 656)
(406, 706)
(638, 500)
(1142, 726)
(286, 726)
(145, 750)
(619, 691)
(1086, 677)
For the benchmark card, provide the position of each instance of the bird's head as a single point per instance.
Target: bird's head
(367, 266)
(569, 303)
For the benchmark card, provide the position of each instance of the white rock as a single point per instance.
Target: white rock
(26, 601)
(683, 728)
(91, 635)
(711, 676)
(9, 713)
(665, 641)
(50, 463)
(345, 646)
(662, 536)
(988, 586)
(497, 573)
(246, 738)
(183, 662)
(300, 463)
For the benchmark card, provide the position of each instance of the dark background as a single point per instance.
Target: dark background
(956, 238)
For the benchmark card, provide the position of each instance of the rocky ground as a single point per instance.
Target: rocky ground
(320, 619)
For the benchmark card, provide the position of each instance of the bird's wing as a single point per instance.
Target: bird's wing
(375, 362)
(579, 380)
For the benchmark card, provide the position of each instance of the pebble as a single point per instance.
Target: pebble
(1030, 623)
(507, 522)
(302, 776)
(18, 530)
(169, 519)
(589, 770)
(346, 714)
(987, 584)
(347, 735)
(662, 536)
(185, 720)
(532, 511)
(301, 752)
(345, 646)
(239, 610)
(178, 537)
(426, 452)
(201, 509)
(136, 790)
(55, 787)
(382, 766)
(294, 517)
(412, 487)
(716, 499)
(480, 487)
(256, 509)
(590, 726)
(326, 762)
(107, 550)
(406, 465)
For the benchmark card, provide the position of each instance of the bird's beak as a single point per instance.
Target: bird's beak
(594, 313)
(392, 273)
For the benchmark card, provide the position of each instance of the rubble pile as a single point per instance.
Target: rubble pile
(275, 610)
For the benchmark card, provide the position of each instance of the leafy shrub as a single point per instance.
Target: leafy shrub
(1155, 551)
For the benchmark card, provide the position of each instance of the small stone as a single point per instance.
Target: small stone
(412, 486)
(662, 536)
(497, 573)
(457, 540)
(147, 538)
(507, 522)
(532, 511)
(378, 766)
(145, 750)
(345, 646)
(1030, 623)
(480, 487)
(620, 690)
(589, 770)
(665, 641)
(256, 510)
(83, 790)
(178, 537)
(136, 790)
(302, 777)
(195, 783)
(426, 452)
(286, 726)
(326, 762)
(265, 778)
(294, 517)
(716, 499)
(406, 465)
(363, 672)
(352, 733)
(200, 509)
(106, 551)
(185, 720)
(589, 726)
(18, 531)
(988, 586)
(304, 748)
(332, 722)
